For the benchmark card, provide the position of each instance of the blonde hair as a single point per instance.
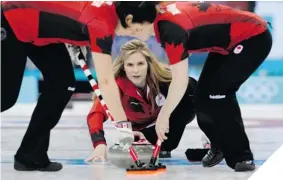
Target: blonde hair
(157, 72)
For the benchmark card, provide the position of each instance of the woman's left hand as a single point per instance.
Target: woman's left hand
(162, 126)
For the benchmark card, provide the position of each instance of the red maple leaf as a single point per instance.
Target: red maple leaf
(174, 52)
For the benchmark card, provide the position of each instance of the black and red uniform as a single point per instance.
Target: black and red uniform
(75, 22)
(136, 103)
(38, 30)
(237, 42)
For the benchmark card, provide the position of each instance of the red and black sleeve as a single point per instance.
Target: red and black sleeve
(95, 120)
(101, 21)
(174, 40)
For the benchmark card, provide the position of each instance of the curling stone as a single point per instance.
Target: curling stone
(122, 159)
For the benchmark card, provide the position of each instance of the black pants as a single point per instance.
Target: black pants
(218, 112)
(181, 116)
(56, 67)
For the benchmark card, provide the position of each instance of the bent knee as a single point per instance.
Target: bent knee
(209, 99)
(5, 105)
(8, 100)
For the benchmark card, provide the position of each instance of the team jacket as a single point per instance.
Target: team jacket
(200, 27)
(136, 105)
(76, 22)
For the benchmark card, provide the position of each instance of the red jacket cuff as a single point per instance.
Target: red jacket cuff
(97, 143)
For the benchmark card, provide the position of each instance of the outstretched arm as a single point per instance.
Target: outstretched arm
(108, 86)
(101, 29)
(174, 40)
(101, 44)
(95, 119)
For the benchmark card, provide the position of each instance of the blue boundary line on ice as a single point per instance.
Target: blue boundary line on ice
(172, 162)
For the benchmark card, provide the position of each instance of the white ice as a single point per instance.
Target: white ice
(70, 144)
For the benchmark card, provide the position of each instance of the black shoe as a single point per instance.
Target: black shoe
(245, 166)
(51, 167)
(164, 154)
(212, 158)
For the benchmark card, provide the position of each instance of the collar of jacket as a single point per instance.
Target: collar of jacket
(128, 88)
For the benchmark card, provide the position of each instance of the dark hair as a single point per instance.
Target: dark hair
(142, 11)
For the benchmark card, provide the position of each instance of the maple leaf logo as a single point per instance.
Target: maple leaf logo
(203, 7)
(174, 52)
(172, 8)
(105, 44)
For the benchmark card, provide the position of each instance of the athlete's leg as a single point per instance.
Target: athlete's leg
(13, 61)
(55, 64)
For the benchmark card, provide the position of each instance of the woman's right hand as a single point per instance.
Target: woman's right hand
(98, 154)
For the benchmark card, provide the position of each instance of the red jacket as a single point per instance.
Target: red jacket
(204, 27)
(137, 108)
(76, 22)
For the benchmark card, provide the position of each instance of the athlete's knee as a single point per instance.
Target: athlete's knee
(8, 100)
(208, 99)
(7, 104)
(60, 96)
(169, 146)
(221, 88)
(217, 93)
(60, 92)
(70, 89)
(66, 90)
